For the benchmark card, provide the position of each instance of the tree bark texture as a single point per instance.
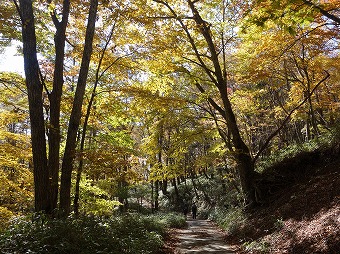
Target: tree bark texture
(156, 193)
(83, 135)
(34, 89)
(70, 149)
(242, 153)
(55, 101)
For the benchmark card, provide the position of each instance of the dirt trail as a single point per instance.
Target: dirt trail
(201, 237)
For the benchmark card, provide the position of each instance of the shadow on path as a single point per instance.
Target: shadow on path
(201, 236)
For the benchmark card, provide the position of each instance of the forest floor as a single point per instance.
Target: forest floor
(301, 218)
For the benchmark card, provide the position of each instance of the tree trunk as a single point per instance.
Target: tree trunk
(165, 187)
(176, 197)
(55, 101)
(87, 116)
(123, 194)
(34, 89)
(192, 177)
(69, 155)
(156, 193)
(313, 117)
(221, 176)
(242, 153)
(152, 196)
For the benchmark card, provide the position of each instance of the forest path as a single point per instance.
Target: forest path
(201, 237)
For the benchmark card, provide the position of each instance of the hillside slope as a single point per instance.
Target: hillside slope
(302, 215)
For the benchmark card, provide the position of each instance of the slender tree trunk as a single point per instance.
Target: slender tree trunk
(152, 196)
(55, 101)
(80, 166)
(313, 117)
(192, 177)
(165, 187)
(69, 155)
(87, 116)
(34, 89)
(308, 135)
(177, 200)
(221, 176)
(83, 136)
(158, 184)
(77, 188)
(122, 198)
(156, 193)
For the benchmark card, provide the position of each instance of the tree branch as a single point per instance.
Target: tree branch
(323, 11)
(18, 10)
(191, 40)
(211, 101)
(271, 136)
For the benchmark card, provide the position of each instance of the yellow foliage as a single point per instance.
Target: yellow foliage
(16, 179)
(5, 216)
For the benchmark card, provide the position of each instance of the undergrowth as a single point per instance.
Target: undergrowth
(325, 141)
(230, 220)
(130, 233)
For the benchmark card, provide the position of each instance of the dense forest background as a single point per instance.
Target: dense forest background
(145, 106)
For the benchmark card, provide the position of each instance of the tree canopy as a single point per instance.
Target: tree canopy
(151, 92)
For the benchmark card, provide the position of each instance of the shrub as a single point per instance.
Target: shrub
(170, 220)
(123, 234)
(5, 216)
(230, 219)
(327, 141)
